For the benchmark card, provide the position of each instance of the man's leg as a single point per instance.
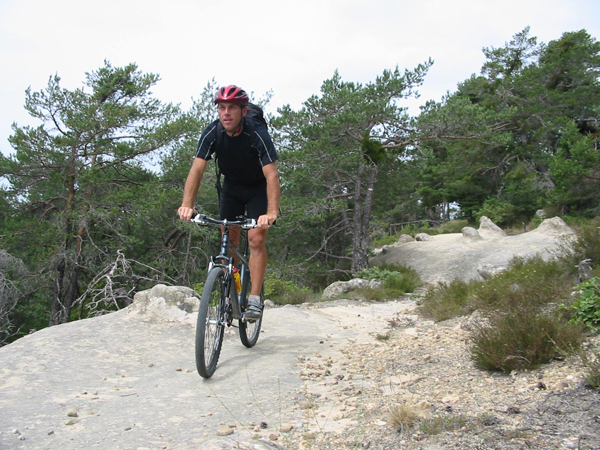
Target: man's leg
(257, 238)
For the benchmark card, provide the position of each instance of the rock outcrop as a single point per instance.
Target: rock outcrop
(475, 254)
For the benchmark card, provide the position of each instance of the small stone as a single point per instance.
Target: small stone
(309, 436)
(286, 427)
(225, 432)
(72, 414)
(273, 437)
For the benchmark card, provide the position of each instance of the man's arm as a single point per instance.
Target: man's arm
(192, 184)
(273, 195)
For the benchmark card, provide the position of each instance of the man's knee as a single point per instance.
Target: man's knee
(257, 238)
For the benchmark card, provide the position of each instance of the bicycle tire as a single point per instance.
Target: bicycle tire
(250, 331)
(210, 324)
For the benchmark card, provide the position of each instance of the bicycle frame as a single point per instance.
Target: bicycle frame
(226, 261)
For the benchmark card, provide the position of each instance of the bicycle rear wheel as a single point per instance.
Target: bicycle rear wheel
(211, 323)
(249, 331)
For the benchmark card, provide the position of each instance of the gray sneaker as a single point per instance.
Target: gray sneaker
(254, 310)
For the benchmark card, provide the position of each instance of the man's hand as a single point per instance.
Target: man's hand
(185, 213)
(266, 220)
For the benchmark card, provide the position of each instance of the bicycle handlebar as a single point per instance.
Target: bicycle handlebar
(202, 219)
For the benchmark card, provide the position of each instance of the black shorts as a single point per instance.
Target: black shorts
(240, 199)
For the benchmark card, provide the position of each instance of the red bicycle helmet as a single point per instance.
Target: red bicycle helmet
(232, 93)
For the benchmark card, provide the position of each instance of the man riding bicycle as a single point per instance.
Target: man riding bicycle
(247, 158)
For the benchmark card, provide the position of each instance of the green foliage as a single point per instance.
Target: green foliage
(587, 245)
(386, 239)
(453, 226)
(500, 212)
(79, 191)
(330, 153)
(522, 327)
(532, 281)
(522, 338)
(447, 300)
(283, 292)
(530, 117)
(396, 280)
(586, 309)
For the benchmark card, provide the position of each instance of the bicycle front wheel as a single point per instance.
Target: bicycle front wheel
(211, 323)
(249, 331)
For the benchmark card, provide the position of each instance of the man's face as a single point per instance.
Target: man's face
(230, 115)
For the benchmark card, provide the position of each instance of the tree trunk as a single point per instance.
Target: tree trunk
(66, 288)
(362, 218)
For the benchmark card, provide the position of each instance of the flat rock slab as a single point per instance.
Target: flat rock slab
(446, 257)
(128, 380)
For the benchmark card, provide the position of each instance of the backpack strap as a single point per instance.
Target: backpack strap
(217, 170)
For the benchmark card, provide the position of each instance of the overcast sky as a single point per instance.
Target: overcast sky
(261, 45)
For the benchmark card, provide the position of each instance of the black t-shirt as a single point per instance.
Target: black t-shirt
(240, 158)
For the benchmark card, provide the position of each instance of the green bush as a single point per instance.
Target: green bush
(285, 292)
(396, 280)
(498, 211)
(453, 226)
(587, 245)
(524, 327)
(531, 281)
(447, 300)
(586, 309)
(523, 338)
(387, 239)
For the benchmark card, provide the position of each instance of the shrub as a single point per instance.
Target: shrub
(396, 280)
(453, 226)
(586, 309)
(498, 211)
(387, 239)
(531, 281)
(591, 361)
(447, 300)
(587, 245)
(523, 337)
(284, 292)
(443, 424)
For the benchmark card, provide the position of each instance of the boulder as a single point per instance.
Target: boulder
(341, 287)
(489, 229)
(554, 227)
(404, 238)
(471, 233)
(169, 303)
(490, 270)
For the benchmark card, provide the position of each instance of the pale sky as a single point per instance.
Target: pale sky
(261, 45)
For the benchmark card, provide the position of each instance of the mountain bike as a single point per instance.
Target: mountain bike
(224, 299)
